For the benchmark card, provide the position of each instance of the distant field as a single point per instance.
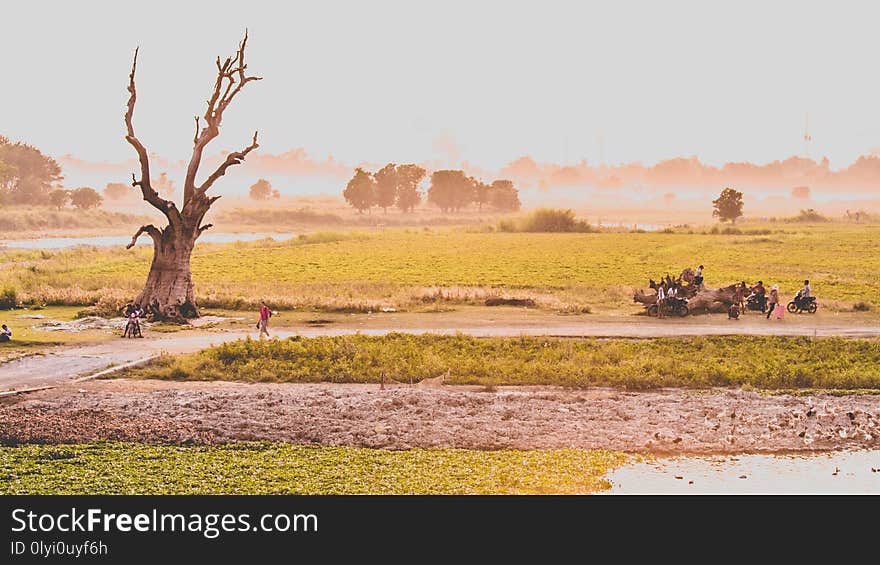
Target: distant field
(407, 267)
(262, 468)
(23, 219)
(767, 363)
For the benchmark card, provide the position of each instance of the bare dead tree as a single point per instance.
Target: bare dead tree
(168, 292)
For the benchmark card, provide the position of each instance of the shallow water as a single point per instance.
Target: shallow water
(847, 472)
(122, 240)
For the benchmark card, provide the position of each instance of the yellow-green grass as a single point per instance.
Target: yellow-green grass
(264, 468)
(27, 341)
(19, 220)
(766, 363)
(366, 270)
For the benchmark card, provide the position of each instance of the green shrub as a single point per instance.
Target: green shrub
(547, 220)
(8, 299)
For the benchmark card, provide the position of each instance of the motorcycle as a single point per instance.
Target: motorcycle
(677, 306)
(757, 302)
(802, 304)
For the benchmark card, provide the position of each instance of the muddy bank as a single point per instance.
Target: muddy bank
(402, 417)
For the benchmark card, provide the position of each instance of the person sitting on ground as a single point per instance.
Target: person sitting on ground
(733, 311)
(5, 333)
(698, 277)
(773, 300)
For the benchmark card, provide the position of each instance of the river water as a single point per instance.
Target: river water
(123, 240)
(846, 472)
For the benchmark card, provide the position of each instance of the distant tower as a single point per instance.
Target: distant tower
(807, 137)
(601, 149)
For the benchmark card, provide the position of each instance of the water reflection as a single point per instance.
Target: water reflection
(122, 240)
(855, 472)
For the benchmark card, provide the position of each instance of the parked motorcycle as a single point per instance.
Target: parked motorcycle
(677, 306)
(757, 302)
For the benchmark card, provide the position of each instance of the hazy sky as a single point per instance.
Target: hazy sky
(482, 81)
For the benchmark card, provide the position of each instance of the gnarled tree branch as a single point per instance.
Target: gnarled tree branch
(231, 79)
(149, 193)
(233, 158)
(148, 229)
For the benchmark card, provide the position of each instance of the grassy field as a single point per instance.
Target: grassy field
(27, 341)
(262, 468)
(35, 219)
(409, 268)
(767, 363)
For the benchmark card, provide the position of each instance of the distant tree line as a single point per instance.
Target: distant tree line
(26, 175)
(449, 190)
(82, 198)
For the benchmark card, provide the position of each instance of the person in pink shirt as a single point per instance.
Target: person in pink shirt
(265, 314)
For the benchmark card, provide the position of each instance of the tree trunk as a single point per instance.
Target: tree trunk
(168, 292)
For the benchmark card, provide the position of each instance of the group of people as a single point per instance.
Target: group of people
(669, 291)
(764, 301)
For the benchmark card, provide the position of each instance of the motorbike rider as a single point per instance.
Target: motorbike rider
(757, 295)
(806, 292)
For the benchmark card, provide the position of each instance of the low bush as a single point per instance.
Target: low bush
(8, 299)
(547, 220)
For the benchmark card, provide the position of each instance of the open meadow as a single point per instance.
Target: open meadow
(266, 468)
(427, 268)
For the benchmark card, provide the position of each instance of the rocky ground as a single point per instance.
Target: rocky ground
(402, 417)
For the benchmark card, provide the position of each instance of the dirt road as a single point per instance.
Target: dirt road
(403, 417)
(59, 365)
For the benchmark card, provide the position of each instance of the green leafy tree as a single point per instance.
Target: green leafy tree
(262, 190)
(360, 192)
(116, 191)
(408, 179)
(481, 193)
(386, 186)
(59, 198)
(450, 190)
(728, 205)
(85, 198)
(504, 195)
(27, 175)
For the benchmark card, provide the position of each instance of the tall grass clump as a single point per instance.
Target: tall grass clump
(8, 299)
(547, 220)
(769, 363)
(808, 216)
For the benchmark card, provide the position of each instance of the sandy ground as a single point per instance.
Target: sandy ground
(61, 364)
(402, 417)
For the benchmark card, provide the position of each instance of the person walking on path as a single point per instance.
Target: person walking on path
(773, 300)
(265, 314)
